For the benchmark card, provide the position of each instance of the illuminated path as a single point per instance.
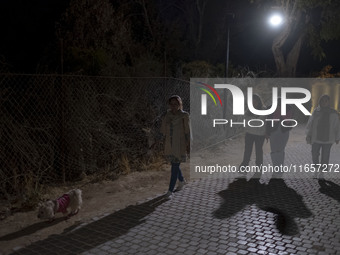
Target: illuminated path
(219, 216)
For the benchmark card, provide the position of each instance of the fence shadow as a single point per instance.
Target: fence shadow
(77, 240)
(276, 198)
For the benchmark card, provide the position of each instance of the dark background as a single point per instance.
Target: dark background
(28, 34)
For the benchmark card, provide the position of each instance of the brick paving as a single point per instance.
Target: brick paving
(219, 216)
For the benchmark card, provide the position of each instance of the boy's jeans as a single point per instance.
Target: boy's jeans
(325, 153)
(175, 173)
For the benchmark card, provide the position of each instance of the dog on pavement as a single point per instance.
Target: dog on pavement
(71, 200)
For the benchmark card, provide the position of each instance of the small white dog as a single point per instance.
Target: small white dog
(71, 199)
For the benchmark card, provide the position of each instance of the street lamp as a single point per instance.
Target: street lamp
(276, 19)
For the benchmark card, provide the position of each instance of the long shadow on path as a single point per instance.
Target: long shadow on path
(31, 229)
(276, 197)
(96, 233)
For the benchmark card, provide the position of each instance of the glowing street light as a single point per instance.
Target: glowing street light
(275, 20)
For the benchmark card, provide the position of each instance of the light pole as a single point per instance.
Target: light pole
(276, 20)
(230, 17)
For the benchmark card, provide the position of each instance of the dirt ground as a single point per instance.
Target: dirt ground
(24, 228)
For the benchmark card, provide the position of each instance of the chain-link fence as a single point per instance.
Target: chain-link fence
(56, 128)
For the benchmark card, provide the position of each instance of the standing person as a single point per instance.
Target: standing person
(254, 135)
(323, 129)
(278, 135)
(176, 131)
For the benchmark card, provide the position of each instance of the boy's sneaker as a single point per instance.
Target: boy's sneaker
(261, 181)
(168, 195)
(181, 184)
(320, 176)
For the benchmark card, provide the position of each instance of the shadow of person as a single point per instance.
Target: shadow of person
(93, 234)
(330, 189)
(276, 198)
(239, 194)
(285, 203)
(31, 229)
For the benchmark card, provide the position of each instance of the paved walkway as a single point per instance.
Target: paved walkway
(219, 216)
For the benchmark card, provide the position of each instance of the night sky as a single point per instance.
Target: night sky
(28, 28)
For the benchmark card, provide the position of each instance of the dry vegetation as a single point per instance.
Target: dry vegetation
(56, 130)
